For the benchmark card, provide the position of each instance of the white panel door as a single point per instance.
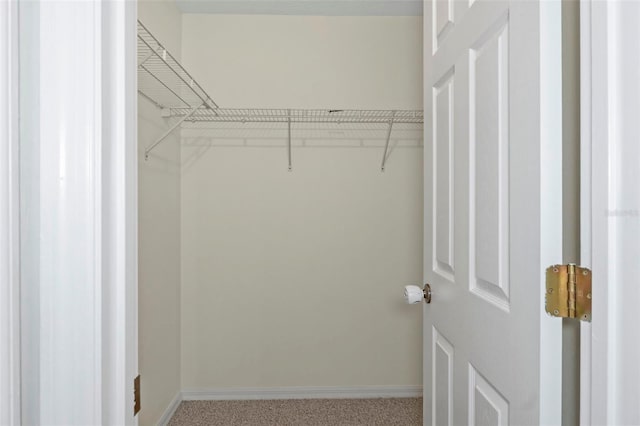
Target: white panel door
(493, 222)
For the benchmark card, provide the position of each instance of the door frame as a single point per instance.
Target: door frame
(119, 162)
(586, 83)
(9, 218)
(107, 84)
(605, 218)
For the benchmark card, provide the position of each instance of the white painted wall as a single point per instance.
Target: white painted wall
(159, 236)
(296, 61)
(295, 278)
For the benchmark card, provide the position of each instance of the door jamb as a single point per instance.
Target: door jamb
(607, 387)
(585, 199)
(9, 218)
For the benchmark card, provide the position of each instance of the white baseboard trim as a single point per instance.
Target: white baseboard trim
(304, 392)
(171, 410)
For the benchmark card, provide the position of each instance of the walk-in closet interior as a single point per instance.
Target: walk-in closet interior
(280, 200)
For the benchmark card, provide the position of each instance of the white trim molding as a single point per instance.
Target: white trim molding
(119, 209)
(171, 410)
(62, 119)
(610, 218)
(302, 392)
(9, 218)
(79, 175)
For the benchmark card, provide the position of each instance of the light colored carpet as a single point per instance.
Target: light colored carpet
(301, 412)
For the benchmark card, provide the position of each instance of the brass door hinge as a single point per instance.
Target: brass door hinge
(136, 395)
(568, 292)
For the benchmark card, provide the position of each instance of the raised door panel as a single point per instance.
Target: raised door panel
(442, 168)
(489, 152)
(443, 11)
(442, 385)
(487, 407)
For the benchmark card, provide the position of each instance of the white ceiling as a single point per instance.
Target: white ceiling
(304, 7)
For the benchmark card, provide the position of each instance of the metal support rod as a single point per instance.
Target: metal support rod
(168, 132)
(142, 67)
(386, 146)
(150, 99)
(146, 58)
(289, 138)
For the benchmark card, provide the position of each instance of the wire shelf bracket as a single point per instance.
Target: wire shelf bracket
(289, 140)
(168, 132)
(386, 145)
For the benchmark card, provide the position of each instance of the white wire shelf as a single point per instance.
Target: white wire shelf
(253, 115)
(163, 81)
